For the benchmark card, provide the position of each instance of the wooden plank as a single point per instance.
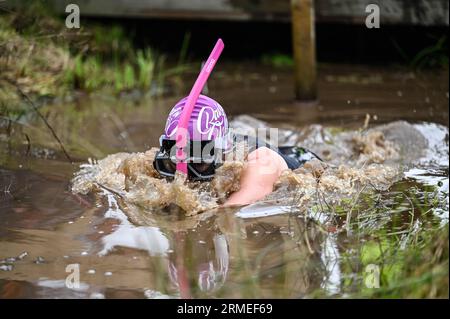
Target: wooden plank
(409, 12)
(304, 44)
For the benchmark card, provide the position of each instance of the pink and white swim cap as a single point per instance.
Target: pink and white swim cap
(208, 120)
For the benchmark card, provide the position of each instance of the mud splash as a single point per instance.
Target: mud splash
(299, 248)
(354, 162)
(132, 178)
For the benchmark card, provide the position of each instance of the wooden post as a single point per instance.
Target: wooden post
(304, 44)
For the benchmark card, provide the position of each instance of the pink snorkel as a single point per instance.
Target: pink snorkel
(182, 128)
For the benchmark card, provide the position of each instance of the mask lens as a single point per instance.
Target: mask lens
(201, 167)
(201, 171)
(165, 166)
(168, 165)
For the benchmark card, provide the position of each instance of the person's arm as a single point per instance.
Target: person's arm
(262, 170)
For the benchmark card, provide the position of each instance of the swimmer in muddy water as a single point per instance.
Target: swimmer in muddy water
(201, 164)
(211, 142)
(198, 125)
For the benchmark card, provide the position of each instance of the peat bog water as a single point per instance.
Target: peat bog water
(262, 251)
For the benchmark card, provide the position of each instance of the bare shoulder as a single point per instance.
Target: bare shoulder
(263, 168)
(267, 157)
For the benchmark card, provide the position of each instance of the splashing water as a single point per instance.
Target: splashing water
(354, 162)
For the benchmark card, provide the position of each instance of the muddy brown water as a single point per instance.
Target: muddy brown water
(254, 251)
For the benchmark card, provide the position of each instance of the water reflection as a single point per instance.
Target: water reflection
(262, 251)
(223, 255)
(199, 264)
(330, 258)
(150, 239)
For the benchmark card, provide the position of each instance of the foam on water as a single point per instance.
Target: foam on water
(355, 161)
